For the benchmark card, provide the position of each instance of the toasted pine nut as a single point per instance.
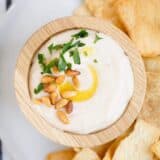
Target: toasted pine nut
(70, 72)
(69, 107)
(53, 97)
(61, 103)
(63, 117)
(55, 69)
(37, 101)
(75, 81)
(68, 94)
(50, 88)
(46, 101)
(47, 79)
(60, 79)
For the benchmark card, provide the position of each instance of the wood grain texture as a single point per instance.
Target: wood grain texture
(22, 74)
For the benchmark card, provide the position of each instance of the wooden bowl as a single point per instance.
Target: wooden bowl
(22, 85)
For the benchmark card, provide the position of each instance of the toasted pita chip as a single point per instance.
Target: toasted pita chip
(142, 21)
(110, 13)
(137, 145)
(105, 9)
(111, 150)
(86, 154)
(152, 64)
(151, 107)
(82, 11)
(100, 150)
(95, 7)
(61, 155)
(155, 148)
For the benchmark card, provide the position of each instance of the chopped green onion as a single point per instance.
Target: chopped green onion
(51, 47)
(41, 61)
(67, 46)
(52, 63)
(97, 38)
(82, 34)
(70, 45)
(39, 88)
(76, 56)
(80, 44)
(69, 66)
(71, 53)
(58, 47)
(41, 58)
(62, 63)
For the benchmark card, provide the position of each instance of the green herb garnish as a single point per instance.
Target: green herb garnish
(70, 45)
(95, 61)
(69, 66)
(50, 48)
(53, 47)
(82, 34)
(78, 44)
(46, 70)
(41, 61)
(76, 57)
(58, 47)
(97, 38)
(51, 64)
(67, 46)
(41, 58)
(71, 53)
(62, 63)
(39, 88)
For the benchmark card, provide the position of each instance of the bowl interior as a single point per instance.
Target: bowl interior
(22, 82)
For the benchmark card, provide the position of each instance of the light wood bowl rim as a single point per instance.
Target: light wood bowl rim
(22, 73)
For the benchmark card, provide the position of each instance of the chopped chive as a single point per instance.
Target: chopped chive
(82, 34)
(41, 61)
(50, 48)
(53, 63)
(67, 46)
(47, 68)
(53, 47)
(39, 88)
(69, 66)
(41, 58)
(76, 57)
(71, 53)
(58, 47)
(80, 44)
(62, 63)
(97, 38)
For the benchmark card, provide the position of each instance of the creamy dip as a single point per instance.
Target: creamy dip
(106, 77)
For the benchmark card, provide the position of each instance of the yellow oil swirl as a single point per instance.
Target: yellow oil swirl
(82, 95)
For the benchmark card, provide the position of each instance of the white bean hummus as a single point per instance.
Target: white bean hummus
(81, 81)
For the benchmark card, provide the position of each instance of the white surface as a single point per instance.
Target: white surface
(2, 7)
(20, 138)
(6, 155)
